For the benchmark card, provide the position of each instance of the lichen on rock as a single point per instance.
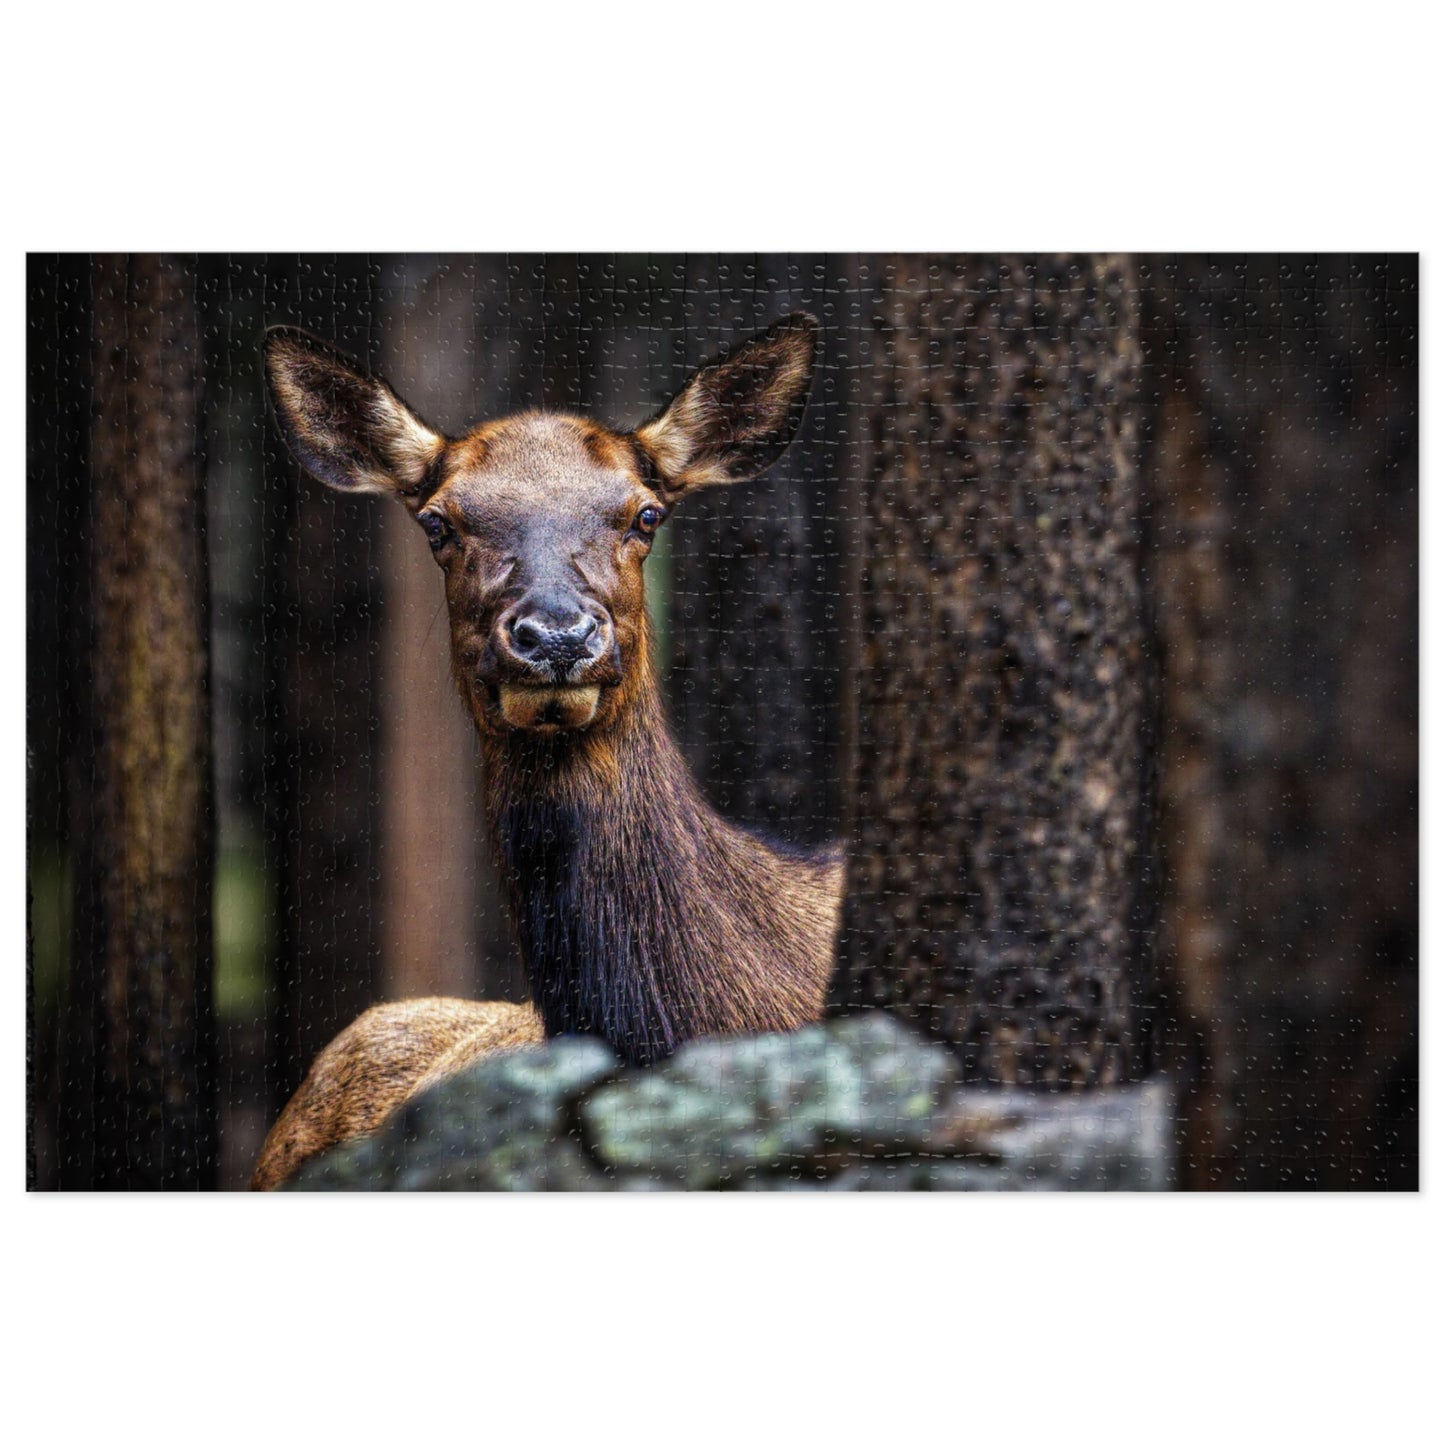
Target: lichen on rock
(858, 1103)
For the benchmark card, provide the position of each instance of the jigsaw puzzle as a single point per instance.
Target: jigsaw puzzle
(807, 722)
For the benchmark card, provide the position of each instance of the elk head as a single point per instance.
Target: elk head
(541, 522)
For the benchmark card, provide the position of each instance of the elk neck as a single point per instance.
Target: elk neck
(644, 916)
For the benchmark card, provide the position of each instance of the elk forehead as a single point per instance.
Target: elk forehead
(539, 465)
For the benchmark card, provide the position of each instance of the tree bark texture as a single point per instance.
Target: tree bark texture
(998, 790)
(444, 926)
(140, 1110)
(1284, 500)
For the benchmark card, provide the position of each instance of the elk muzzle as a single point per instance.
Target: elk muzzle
(561, 646)
(552, 661)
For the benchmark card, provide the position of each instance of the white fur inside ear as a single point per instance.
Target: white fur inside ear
(676, 438)
(409, 444)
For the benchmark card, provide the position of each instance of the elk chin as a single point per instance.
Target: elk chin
(548, 709)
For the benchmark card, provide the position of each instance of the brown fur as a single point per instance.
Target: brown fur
(644, 917)
(376, 1064)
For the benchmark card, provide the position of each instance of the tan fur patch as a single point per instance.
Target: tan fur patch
(549, 708)
(375, 1065)
(410, 444)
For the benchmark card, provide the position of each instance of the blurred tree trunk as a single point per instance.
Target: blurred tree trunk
(444, 929)
(998, 794)
(320, 634)
(1284, 494)
(139, 1105)
(1187, 558)
(57, 427)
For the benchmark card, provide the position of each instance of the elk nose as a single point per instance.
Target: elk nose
(538, 638)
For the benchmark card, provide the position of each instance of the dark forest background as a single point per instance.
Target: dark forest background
(1277, 444)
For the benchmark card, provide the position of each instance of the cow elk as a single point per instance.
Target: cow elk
(644, 917)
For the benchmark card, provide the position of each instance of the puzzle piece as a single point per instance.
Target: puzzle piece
(1080, 608)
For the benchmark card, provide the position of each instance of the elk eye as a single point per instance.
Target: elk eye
(438, 530)
(649, 519)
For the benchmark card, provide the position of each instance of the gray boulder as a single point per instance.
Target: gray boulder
(858, 1103)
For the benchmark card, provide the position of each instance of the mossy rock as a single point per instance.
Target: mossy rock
(858, 1103)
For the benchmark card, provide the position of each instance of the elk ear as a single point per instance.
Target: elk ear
(736, 416)
(347, 429)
